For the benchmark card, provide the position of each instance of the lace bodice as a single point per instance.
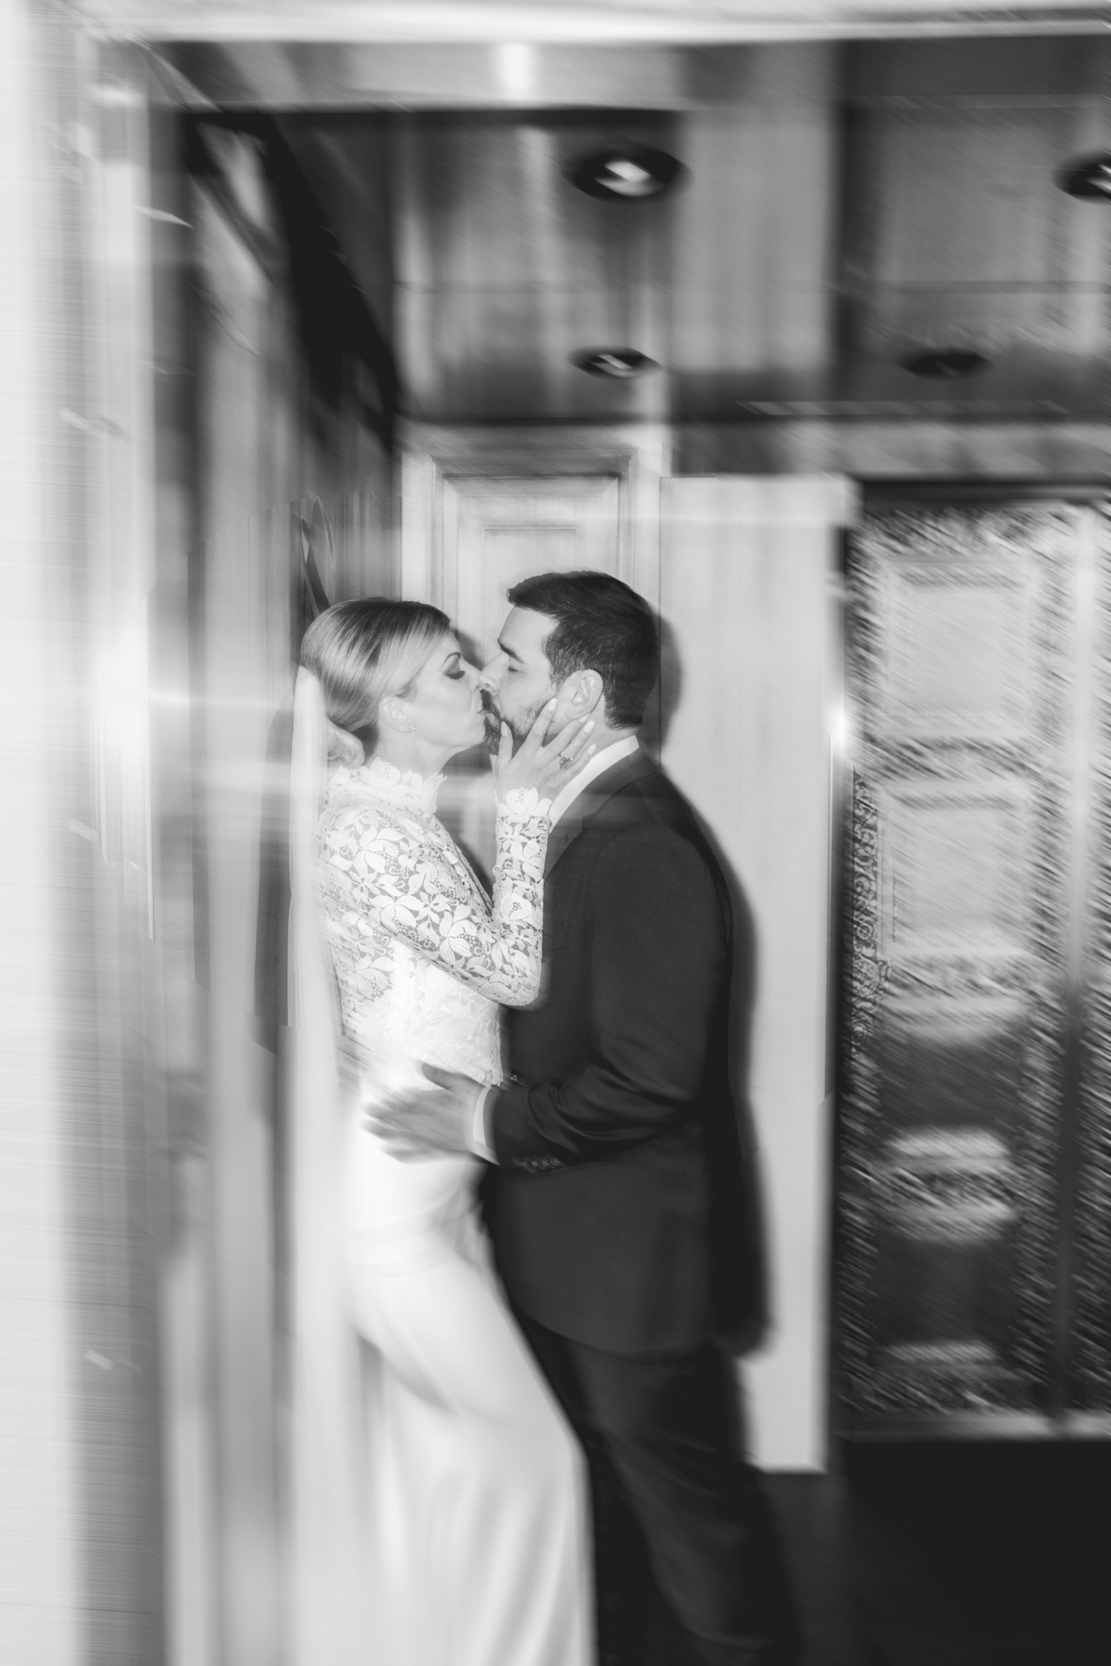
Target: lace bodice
(421, 956)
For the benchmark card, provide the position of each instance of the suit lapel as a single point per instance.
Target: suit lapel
(591, 800)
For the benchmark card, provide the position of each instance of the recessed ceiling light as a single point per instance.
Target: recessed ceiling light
(627, 175)
(619, 363)
(1090, 178)
(949, 365)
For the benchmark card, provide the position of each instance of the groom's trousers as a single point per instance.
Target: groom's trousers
(677, 1512)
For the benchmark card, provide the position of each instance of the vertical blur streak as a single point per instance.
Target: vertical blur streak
(83, 1142)
(1084, 749)
(38, 1448)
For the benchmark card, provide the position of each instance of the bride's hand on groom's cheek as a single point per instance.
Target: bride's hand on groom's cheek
(543, 763)
(423, 1124)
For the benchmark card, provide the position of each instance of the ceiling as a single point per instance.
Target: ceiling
(847, 205)
(598, 21)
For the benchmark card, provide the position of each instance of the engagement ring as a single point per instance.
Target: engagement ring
(564, 761)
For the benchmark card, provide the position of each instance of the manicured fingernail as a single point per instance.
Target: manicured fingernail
(550, 705)
(589, 726)
(590, 749)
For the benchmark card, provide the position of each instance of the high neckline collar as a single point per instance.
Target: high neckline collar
(406, 787)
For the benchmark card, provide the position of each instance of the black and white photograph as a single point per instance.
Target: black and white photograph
(555, 1093)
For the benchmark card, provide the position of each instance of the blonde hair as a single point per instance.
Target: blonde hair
(360, 653)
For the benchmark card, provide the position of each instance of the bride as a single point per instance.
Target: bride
(440, 1500)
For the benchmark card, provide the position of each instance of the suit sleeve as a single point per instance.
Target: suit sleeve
(658, 948)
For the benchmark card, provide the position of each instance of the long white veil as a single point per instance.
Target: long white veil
(329, 1469)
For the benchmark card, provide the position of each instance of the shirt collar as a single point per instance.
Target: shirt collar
(601, 761)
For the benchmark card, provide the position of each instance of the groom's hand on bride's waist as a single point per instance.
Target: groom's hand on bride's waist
(424, 1123)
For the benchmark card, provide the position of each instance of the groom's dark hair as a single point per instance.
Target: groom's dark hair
(600, 625)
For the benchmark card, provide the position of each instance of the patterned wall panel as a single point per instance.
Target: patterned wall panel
(960, 665)
(1090, 1173)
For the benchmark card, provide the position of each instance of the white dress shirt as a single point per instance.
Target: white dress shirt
(601, 761)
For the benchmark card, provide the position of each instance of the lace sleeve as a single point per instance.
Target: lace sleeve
(397, 881)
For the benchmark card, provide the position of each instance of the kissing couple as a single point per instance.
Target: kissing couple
(550, 1426)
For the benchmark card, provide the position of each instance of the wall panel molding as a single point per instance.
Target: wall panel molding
(750, 600)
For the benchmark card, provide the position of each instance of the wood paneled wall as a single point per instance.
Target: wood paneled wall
(748, 595)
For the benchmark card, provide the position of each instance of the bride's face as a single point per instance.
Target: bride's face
(445, 706)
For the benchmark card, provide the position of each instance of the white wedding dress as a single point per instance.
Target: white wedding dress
(475, 1519)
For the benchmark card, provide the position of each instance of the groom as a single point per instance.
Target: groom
(615, 1200)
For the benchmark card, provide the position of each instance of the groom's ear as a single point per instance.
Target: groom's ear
(583, 692)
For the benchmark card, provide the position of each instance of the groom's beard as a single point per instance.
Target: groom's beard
(519, 726)
(492, 717)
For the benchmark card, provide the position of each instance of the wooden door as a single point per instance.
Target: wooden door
(483, 508)
(497, 531)
(973, 1184)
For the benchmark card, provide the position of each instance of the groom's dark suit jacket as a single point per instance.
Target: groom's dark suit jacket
(617, 1206)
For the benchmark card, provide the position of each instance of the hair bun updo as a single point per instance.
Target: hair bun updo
(360, 653)
(344, 748)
